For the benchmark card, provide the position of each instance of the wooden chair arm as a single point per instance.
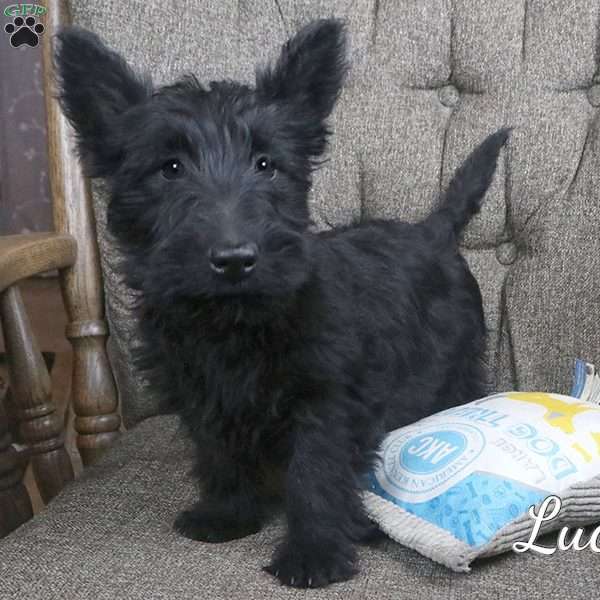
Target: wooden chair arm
(22, 256)
(94, 395)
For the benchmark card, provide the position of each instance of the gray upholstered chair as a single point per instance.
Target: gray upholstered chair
(430, 79)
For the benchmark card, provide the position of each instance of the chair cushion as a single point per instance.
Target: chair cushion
(108, 535)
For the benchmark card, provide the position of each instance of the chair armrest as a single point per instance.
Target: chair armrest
(22, 256)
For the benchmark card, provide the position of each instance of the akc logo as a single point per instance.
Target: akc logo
(431, 452)
(422, 459)
(24, 29)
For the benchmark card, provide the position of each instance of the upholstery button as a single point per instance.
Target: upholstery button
(593, 94)
(449, 96)
(506, 253)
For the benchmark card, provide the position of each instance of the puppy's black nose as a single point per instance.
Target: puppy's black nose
(233, 262)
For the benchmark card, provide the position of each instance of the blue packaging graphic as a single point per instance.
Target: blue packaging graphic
(473, 469)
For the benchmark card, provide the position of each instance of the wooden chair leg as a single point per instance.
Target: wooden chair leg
(15, 504)
(39, 424)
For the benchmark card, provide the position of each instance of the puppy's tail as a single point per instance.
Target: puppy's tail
(465, 191)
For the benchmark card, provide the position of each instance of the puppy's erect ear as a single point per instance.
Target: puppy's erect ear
(96, 86)
(311, 69)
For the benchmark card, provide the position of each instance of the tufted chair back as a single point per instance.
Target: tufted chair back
(430, 78)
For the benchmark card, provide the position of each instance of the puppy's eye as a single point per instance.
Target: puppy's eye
(172, 169)
(264, 164)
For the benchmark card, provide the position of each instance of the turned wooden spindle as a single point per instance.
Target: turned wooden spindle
(94, 394)
(40, 426)
(15, 505)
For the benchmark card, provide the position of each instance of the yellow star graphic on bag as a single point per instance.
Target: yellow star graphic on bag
(559, 413)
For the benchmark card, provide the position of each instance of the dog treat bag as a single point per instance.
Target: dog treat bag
(458, 485)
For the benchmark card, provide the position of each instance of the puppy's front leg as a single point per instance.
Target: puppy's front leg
(324, 510)
(229, 507)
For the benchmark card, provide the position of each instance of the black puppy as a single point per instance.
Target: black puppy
(280, 347)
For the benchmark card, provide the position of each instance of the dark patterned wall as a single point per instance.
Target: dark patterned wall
(24, 194)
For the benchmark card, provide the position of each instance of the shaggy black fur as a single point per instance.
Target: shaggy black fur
(281, 348)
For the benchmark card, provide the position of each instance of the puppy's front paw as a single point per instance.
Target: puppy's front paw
(206, 526)
(311, 568)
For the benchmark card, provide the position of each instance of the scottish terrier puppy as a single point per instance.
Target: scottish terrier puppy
(283, 349)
